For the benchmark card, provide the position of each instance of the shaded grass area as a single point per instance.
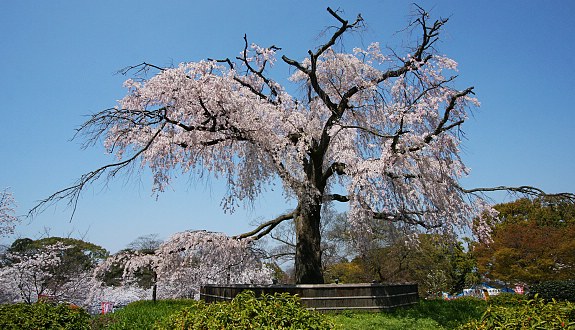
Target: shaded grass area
(427, 314)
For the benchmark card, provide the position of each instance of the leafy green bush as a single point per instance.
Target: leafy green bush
(43, 316)
(508, 299)
(532, 314)
(560, 290)
(246, 311)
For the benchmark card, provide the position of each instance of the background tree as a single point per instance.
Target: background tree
(54, 266)
(436, 262)
(379, 132)
(8, 218)
(145, 243)
(535, 241)
(189, 259)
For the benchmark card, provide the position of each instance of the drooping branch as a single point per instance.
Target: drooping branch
(522, 190)
(268, 226)
(72, 193)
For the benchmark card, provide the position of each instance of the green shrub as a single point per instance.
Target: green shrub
(508, 299)
(559, 290)
(43, 316)
(246, 311)
(532, 314)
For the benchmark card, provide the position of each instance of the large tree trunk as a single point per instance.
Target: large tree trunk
(308, 250)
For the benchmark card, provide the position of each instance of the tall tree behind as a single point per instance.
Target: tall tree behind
(534, 242)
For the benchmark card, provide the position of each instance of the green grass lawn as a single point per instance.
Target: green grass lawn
(140, 315)
(427, 314)
(432, 314)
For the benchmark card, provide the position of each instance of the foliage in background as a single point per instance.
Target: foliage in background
(535, 241)
(436, 262)
(58, 267)
(560, 290)
(245, 311)
(43, 316)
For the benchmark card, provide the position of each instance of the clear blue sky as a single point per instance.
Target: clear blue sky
(58, 59)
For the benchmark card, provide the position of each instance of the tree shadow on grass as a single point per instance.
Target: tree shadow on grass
(447, 313)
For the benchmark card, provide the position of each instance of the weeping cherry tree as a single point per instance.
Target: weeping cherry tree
(378, 132)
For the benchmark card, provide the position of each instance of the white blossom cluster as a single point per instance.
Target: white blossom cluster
(30, 276)
(8, 218)
(398, 139)
(185, 262)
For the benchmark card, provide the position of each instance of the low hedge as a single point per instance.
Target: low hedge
(246, 311)
(43, 316)
(536, 313)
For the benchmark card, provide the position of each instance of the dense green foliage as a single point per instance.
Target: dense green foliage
(246, 311)
(534, 242)
(43, 316)
(437, 264)
(559, 290)
(531, 314)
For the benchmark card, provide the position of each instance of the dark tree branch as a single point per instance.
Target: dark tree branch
(337, 198)
(406, 217)
(268, 226)
(441, 126)
(140, 69)
(336, 167)
(523, 190)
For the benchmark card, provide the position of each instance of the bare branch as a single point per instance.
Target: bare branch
(523, 190)
(141, 68)
(268, 226)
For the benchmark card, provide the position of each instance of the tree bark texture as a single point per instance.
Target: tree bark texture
(308, 250)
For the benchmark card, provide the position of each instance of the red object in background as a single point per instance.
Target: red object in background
(107, 307)
(519, 289)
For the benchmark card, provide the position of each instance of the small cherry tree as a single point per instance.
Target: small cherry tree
(29, 275)
(49, 267)
(380, 132)
(8, 218)
(189, 259)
